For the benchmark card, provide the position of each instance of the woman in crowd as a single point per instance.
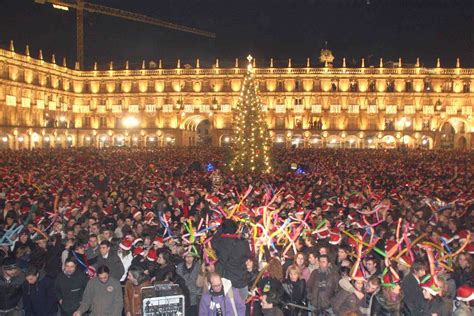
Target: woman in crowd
(294, 291)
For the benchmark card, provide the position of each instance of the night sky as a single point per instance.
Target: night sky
(280, 29)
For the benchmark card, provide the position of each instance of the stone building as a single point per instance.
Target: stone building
(46, 104)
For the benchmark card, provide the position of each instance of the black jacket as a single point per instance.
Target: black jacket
(413, 296)
(232, 252)
(10, 292)
(69, 289)
(39, 299)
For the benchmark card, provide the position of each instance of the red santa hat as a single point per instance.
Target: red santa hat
(151, 255)
(147, 206)
(149, 216)
(462, 235)
(126, 244)
(389, 278)
(465, 293)
(407, 259)
(389, 244)
(138, 251)
(429, 284)
(323, 233)
(357, 275)
(212, 200)
(136, 214)
(470, 248)
(334, 237)
(158, 240)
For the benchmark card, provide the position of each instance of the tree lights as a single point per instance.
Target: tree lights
(251, 137)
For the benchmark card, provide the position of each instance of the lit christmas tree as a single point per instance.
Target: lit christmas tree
(251, 137)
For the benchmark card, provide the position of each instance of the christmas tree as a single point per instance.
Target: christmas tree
(251, 138)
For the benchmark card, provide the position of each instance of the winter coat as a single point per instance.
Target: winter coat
(345, 302)
(39, 299)
(295, 293)
(132, 297)
(232, 252)
(70, 289)
(10, 291)
(321, 287)
(102, 299)
(463, 309)
(414, 300)
(383, 307)
(113, 262)
(190, 278)
(210, 303)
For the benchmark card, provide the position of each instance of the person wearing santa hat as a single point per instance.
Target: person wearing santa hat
(347, 300)
(389, 300)
(464, 297)
(125, 254)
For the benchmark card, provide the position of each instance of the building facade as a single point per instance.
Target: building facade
(43, 104)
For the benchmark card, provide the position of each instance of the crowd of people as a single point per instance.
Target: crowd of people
(327, 232)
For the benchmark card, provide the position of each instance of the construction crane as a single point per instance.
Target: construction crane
(80, 6)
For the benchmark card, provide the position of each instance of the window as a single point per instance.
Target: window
(25, 102)
(116, 109)
(226, 108)
(428, 87)
(102, 122)
(451, 110)
(428, 109)
(299, 108)
(409, 109)
(40, 104)
(204, 108)
(354, 86)
(280, 122)
(297, 85)
(390, 86)
(188, 108)
(466, 110)
(391, 109)
(372, 109)
(280, 86)
(372, 86)
(167, 108)
(150, 108)
(316, 108)
(280, 108)
(353, 109)
(409, 86)
(335, 108)
(133, 108)
(11, 100)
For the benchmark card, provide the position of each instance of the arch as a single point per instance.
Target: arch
(5, 140)
(460, 124)
(190, 123)
(169, 140)
(119, 140)
(352, 141)
(297, 140)
(334, 141)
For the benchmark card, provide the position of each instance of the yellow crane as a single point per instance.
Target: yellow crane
(80, 6)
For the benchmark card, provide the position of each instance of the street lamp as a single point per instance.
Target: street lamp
(130, 122)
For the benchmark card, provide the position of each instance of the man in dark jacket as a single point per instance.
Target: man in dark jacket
(70, 286)
(322, 285)
(109, 258)
(232, 253)
(413, 294)
(39, 298)
(11, 280)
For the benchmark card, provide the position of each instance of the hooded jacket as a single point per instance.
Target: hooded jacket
(39, 299)
(210, 302)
